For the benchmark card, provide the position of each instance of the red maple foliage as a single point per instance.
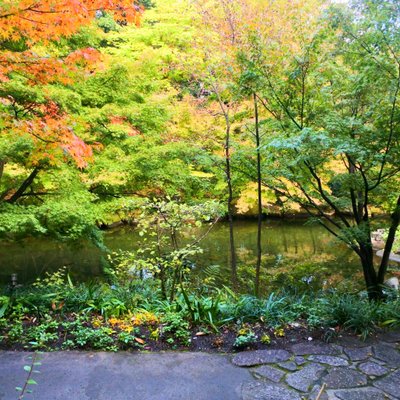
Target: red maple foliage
(39, 22)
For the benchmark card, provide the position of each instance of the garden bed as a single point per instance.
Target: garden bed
(134, 317)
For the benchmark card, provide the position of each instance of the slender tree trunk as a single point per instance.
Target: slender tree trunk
(174, 282)
(162, 269)
(230, 206)
(2, 163)
(259, 198)
(389, 242)
(225, 111)
(5, 192)
(25, 184)
(162, 282)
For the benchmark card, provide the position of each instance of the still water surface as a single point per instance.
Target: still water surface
(287, 240)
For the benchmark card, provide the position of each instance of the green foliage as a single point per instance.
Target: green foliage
(389, 314)
(126, 107)
(15, 150)
(353, 313)
(175, 327)
(43, 335)
(301, 277)
(21, 92)
(4, 304)
(396, 243)
(273, 310)
(126, 338)
(64, 218)
(161, 254)
(107, 23)
(67, 99)
(110, 306)
(332, 114)
(105, 88)
(86, 337)
(202, 310)
(98, 316)
(245, 339)
(15, 331)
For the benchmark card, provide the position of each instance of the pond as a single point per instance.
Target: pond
(285, 243)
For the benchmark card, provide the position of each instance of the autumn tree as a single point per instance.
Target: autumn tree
(231, 26)
(218, 43)
(333, 108)
(38, 131)
(280, 30)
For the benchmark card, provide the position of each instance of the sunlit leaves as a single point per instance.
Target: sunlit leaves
(48, 20)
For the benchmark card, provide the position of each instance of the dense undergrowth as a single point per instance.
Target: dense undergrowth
(56, 314)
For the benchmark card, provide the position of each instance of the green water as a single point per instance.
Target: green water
(289, 241)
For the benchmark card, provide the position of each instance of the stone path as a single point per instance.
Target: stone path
(349, 370)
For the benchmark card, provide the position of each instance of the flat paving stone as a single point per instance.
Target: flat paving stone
(390, 337)
(270, 373)
(360, 394)
(305, 378)
(330, 360)
(371, 368)
(299, 360)
(289, 365)
(387, 353)
(315, 392)
(302, 349)
(263, 391)
(359, 353)
(70, 375)
(354, 342)
(390, 384)
(376, 361)
(257, 357)
(342, 377)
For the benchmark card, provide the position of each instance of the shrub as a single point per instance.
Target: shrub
(175, 327)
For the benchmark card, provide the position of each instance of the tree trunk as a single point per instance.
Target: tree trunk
(225, 111)
(230, 209)
(259, 199)
(370, 276)
(25, 184)
(2, 164)
(389, 243)
(163, 283)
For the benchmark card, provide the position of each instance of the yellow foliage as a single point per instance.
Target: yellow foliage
(144, 318)
(97, 322)
(279, 332)
(155, 334)
(200, 174)
(247, 202)
(265, 339)
(122, 324)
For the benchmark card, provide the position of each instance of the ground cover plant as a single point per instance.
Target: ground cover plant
(57, 314)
